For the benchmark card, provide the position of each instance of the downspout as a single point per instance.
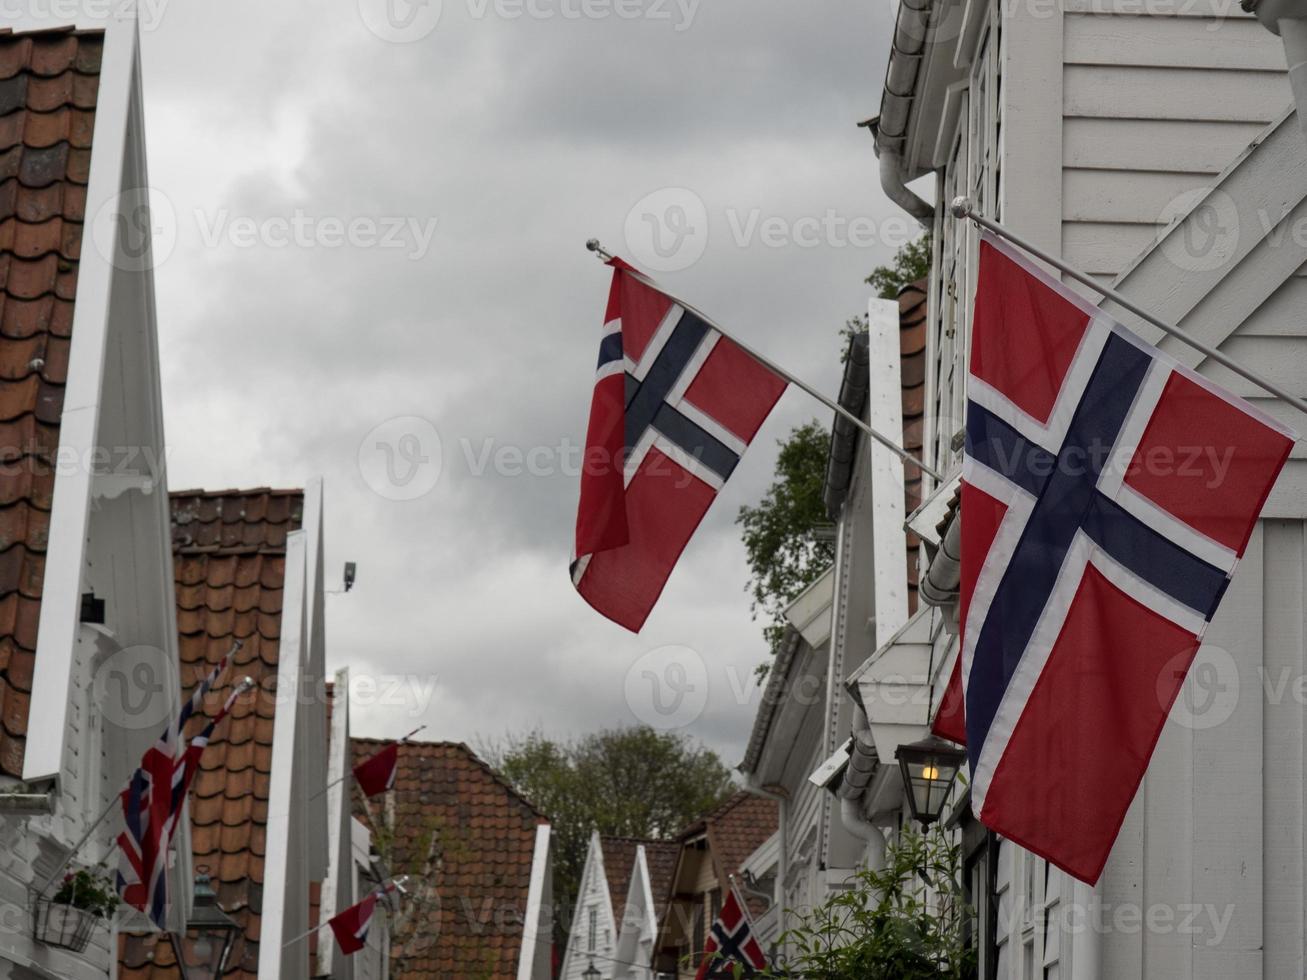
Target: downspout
(889, 129)
(863, 764)
(1288, 19)
(782, 845)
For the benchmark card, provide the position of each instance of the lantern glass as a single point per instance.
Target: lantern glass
(210, 933)
(929, 768)
(590, 972)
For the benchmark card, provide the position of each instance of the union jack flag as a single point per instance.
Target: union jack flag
(675, 405)
(730, 942)
(351, 926)
(1108, 494)
(152, 802)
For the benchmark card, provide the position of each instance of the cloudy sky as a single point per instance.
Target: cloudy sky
(372, 219)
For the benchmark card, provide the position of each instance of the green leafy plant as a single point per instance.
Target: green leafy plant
(906, 921)
(89, 891)
(783, 534)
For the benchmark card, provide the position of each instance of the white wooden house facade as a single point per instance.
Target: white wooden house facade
(1152, 145)
(98, 568)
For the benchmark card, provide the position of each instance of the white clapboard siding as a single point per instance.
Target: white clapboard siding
(1124, 196)
(1164, 145)
(1104, 249)
(1213, 9)
(1174, 93)
(1283, 760)
(1283, 315)
(1168, 42)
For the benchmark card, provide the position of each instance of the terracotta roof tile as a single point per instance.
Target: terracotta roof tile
(47, 102)
(739, 827)
(467, 838)
(229, 800)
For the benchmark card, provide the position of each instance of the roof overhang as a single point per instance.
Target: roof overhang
(933, 40)
(796, 684)
(896, 685)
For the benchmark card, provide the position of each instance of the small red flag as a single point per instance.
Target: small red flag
(351, 926)
(377, 774)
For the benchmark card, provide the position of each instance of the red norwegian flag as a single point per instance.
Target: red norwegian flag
(675, 405)
(376, 774)
(351, 926)
(731, 945)
(1108, 494)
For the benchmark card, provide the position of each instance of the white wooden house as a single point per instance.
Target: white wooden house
(86, 595)
(593, 937)
(615, 920)
(1152, 145)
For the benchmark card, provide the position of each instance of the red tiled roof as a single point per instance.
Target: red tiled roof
(619, 861)
(467, 838)
(739, 827)
(912, 361)
(661, 856)
(48, 86)
(229, 563)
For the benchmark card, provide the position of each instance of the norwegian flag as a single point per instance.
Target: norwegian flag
(376, 774)
(675, 405)
(1108, 494)
(351, 926)
(152, 802)
(730, 942)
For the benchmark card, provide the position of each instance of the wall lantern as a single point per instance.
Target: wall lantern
(928, 768)
(210, 933)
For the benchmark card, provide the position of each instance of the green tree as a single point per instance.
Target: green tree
(783, 537)
(910, 263)
(628, 782)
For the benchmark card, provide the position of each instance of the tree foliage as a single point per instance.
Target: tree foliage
(907, 921)
(782, 534)
(629, 782)
(911, 262)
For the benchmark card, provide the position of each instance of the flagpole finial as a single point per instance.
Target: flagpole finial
(961, 207)
(594, 246)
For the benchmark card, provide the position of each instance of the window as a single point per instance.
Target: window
(594, 930)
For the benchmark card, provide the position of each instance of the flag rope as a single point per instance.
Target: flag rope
(962, 207)
(907, 457)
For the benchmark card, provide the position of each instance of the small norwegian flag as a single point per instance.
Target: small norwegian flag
(375, 775)
(351, 926)
(730, 942)
(153, 798)
(675, 405)
(1108, 494)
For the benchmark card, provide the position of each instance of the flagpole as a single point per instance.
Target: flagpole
(337, 782)
(907, 457)
(962, 207)
(245, 685)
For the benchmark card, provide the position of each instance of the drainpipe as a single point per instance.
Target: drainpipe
(782, 845)
(1288, 19)
(863, 764)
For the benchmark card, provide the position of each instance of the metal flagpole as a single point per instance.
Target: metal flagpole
(907, 457)
(963, 208)
(337, 782)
